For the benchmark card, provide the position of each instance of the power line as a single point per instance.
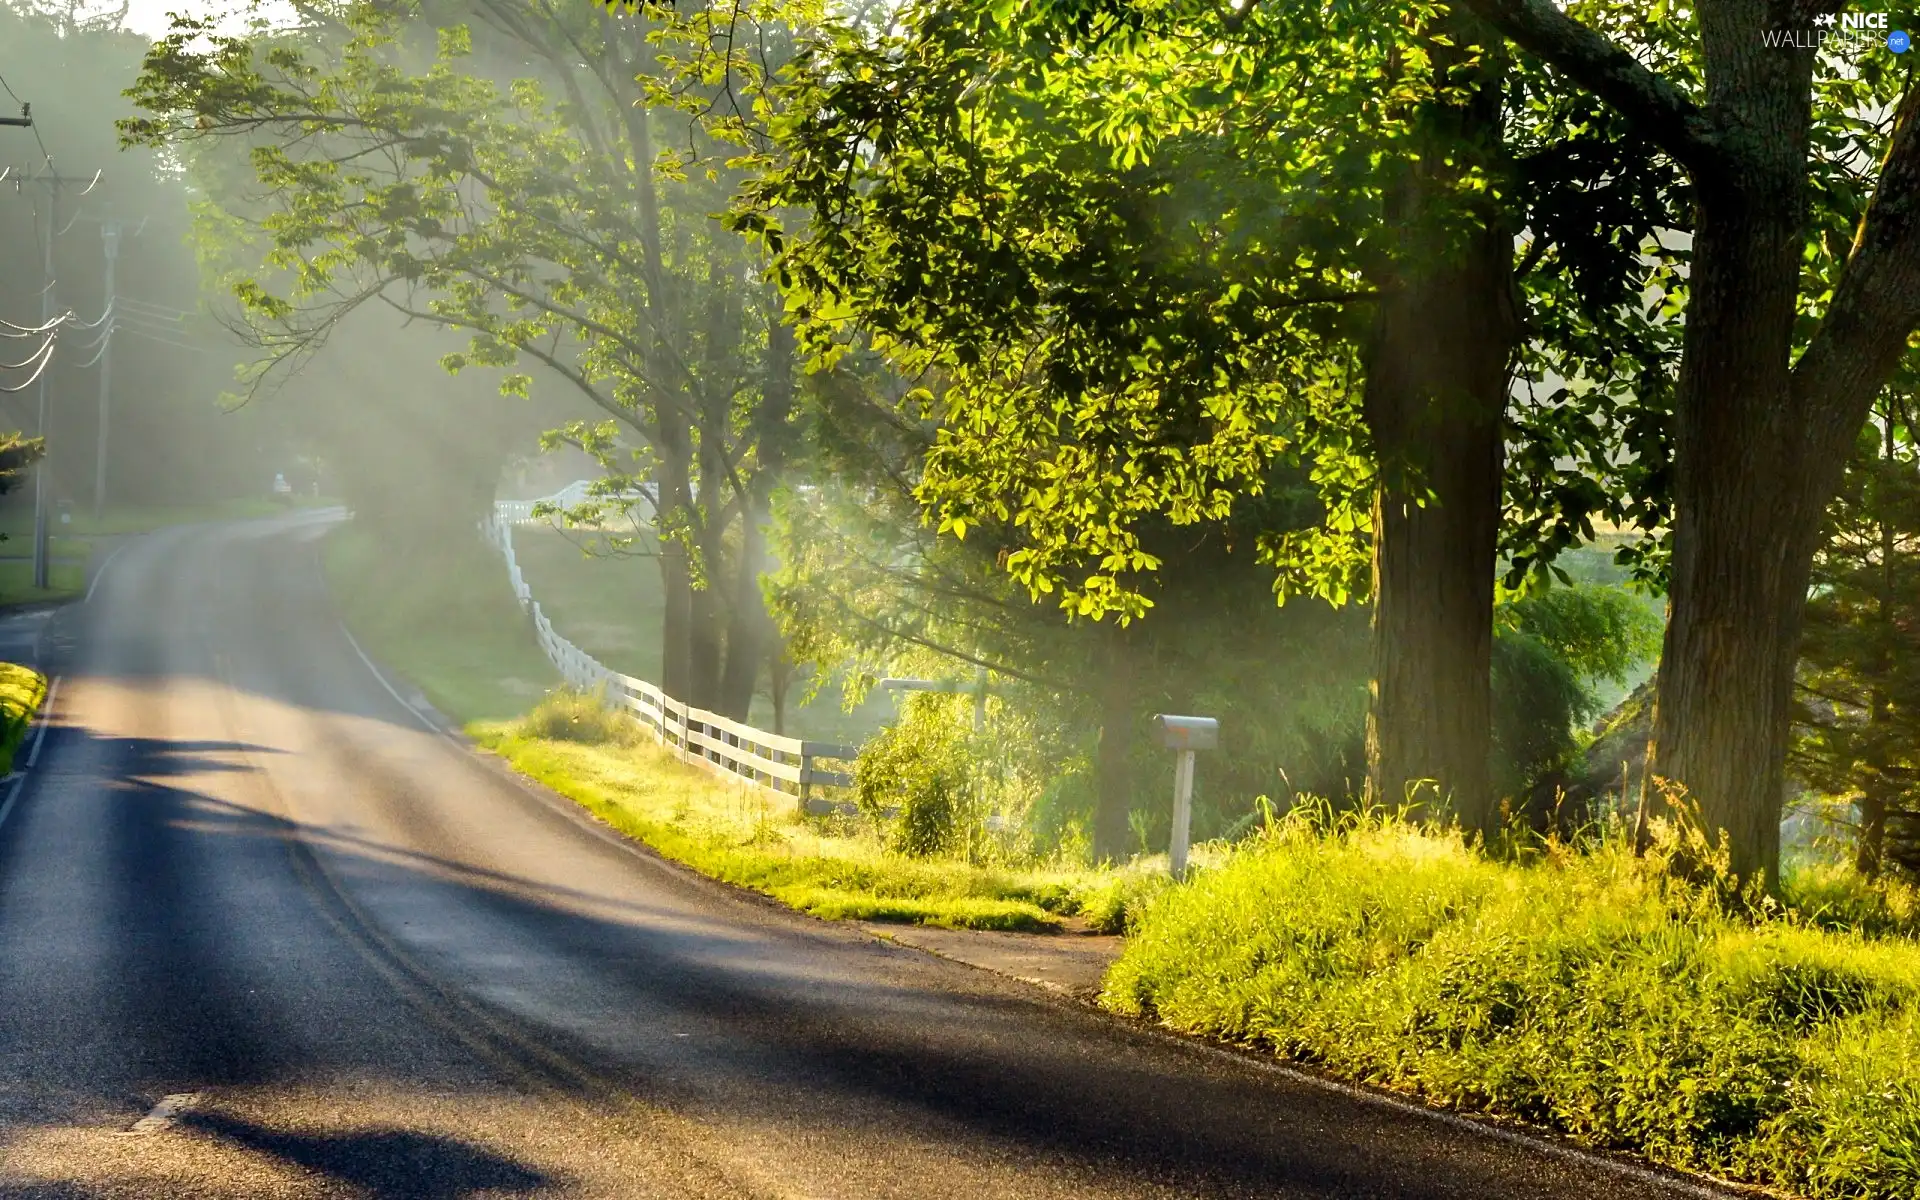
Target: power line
(30, 359)
(21, 331)
(53, 181)
(45, 355)
(26, 110)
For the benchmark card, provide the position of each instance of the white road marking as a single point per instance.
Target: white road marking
(102, 572)
(163, 1113)
(13, 793)
(405, 703)
(46, 711)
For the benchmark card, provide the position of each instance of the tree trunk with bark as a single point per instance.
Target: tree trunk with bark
(749, 629)
(1112, 773)
(1437, 380)
(1762, 438)
(676, 573)
(1750, 487)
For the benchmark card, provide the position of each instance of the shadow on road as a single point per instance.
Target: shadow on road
(221, 961)
(385, 1164)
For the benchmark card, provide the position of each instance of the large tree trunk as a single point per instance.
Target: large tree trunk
(1750, 490)
(751, 635)
(676, 574)
(749, 629)
(705, 638)
(1112, 775)
(1436, 388)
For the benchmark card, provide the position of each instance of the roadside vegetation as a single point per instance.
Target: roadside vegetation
(21, 691)
(449, 625)
(1584, 989)
(838, 867)
(65, 580)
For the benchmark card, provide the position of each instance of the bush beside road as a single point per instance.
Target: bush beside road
(21, 691)
(1594, 994)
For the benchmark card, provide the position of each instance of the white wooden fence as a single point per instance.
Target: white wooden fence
(790, 766)
(520, 512)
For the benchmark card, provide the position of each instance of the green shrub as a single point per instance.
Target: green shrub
(1594, 994)
(915, 778)
(1553, 650)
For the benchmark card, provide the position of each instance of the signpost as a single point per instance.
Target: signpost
(1184, 735)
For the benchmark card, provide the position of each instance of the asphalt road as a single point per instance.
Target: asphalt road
(377, 965)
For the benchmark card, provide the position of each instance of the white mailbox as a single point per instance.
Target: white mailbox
(1188, 733)
(1184, 735)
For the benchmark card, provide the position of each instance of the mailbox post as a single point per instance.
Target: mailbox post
(1184, 735)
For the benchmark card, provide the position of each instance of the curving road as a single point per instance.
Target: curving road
(379, 966)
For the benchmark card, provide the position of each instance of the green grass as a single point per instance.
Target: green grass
(17, 522)
(21, 691)
(748, 837)
(445, 618)
(1590, 994)
(66, 579)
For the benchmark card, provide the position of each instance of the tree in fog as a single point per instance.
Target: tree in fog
(169, 441)
(523, 181)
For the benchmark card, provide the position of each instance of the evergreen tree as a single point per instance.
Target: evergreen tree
(1858, 712)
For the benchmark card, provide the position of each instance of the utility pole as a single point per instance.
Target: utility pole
(53, 181)
(40, 564)
(110, 238)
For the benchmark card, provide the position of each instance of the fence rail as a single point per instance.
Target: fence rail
(520, 512)
(790, 766)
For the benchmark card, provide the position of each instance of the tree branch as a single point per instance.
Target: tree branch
(1659, 111)
(1876, 303)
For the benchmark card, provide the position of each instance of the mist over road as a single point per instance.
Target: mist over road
(369, 963)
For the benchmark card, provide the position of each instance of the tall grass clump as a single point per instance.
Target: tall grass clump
(1597, 994)
(572, 716)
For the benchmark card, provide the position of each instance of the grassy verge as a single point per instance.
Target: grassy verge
(753, 839)
(1591, 994)
(446, 620)
(21, 691)
(65, 579)
(17, 524)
